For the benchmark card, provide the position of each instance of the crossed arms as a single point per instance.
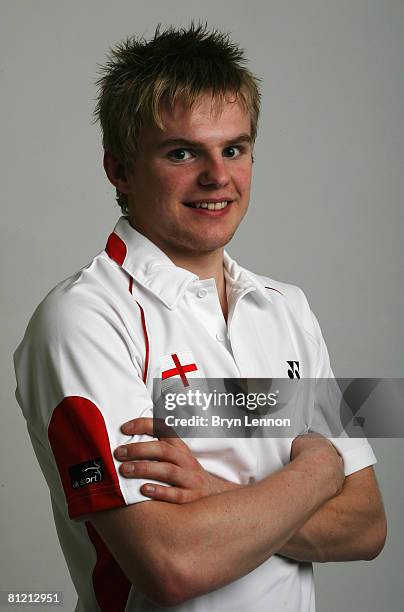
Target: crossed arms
(204, 532)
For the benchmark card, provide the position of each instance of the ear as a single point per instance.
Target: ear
(116, 172)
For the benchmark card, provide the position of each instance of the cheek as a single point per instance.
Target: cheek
(242, 179)
(174, 182)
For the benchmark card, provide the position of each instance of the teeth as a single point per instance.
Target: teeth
(210, 205)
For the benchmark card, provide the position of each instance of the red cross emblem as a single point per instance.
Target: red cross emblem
(180, 370)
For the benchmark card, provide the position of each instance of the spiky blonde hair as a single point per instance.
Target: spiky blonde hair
(141, 76)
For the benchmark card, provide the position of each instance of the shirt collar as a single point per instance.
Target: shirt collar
(239, 280)
(154, 270)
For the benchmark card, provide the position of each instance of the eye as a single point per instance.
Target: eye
(180, 155)
(232, 151)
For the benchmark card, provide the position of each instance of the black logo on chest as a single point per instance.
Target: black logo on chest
(293, 371)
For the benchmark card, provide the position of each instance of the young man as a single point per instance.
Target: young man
(242, 520)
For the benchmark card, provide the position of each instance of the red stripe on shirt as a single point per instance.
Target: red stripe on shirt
(77, 434)
(146, 340)
(273, 289)
(145, 334)
(116, 249)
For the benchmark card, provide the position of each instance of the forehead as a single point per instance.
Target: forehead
(209, 121)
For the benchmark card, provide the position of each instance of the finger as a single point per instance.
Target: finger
(141, 425)
(156, 450)
(157, 470)
(155, 428)
(172, 495)
(149, 426)
(312, 433)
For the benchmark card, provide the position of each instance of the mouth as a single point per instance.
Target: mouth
(209, 206)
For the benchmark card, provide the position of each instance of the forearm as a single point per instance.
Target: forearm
(174, 552)
(220, 538)
(197, 536)
(349, 527)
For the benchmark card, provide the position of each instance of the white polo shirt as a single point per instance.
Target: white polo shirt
(87, 363)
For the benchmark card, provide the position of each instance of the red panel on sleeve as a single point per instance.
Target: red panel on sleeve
(80, 444)
(111, 586)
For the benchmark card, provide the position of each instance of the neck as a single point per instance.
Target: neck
(205, 264)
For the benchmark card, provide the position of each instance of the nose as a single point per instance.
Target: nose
(215, 173)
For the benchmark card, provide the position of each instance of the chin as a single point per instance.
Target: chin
(208, 243)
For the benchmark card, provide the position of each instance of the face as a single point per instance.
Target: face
(189, 187)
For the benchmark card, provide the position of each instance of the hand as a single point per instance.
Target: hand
(169, 461)
(323, 457)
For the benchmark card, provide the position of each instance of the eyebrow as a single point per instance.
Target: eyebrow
(183, 142)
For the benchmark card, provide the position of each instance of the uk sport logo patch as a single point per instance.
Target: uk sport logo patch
(86, 473)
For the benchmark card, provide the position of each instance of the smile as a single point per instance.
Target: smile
(209, 205)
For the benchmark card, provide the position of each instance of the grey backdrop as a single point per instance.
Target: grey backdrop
(326, 214)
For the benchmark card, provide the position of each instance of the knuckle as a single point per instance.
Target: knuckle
(202, 482)
(181, 496)
(168, 494)
(170, 454)
(164, 448)
(171, 471)
(194, 463)
(135, 450)
(140, 468)
(199, 480)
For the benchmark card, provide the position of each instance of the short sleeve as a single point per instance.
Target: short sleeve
(79, 378)
(326, 416)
